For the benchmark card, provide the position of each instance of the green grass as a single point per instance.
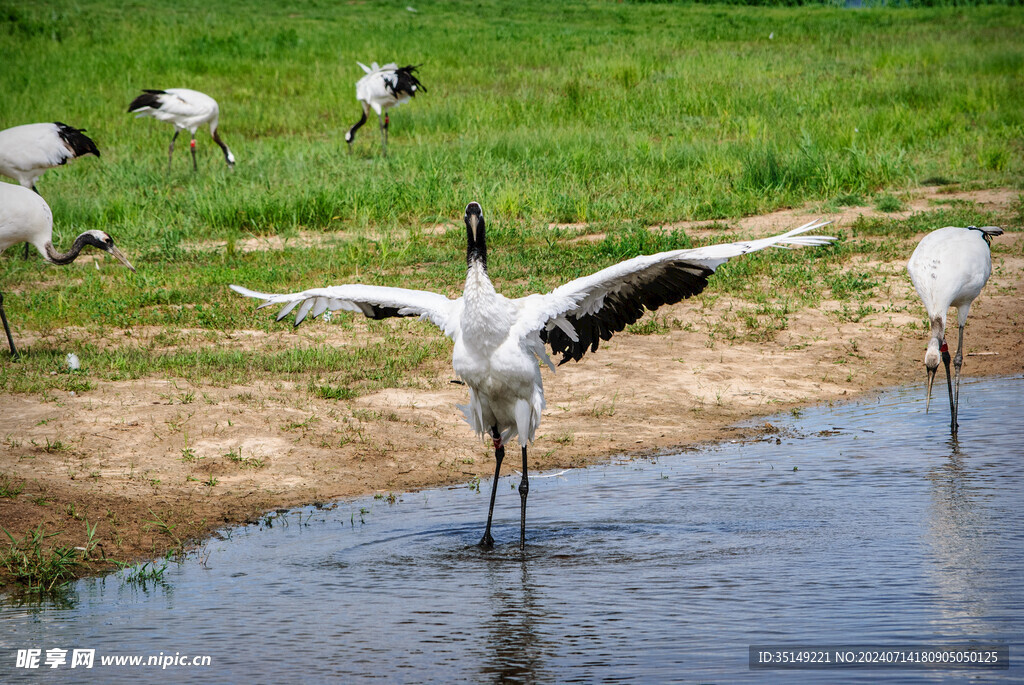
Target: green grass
(624, 115)
(8, 489)
(43, 569)
(602, 110)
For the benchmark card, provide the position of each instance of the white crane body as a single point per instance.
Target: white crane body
(186, 110)
(29, 150)
(382, 88)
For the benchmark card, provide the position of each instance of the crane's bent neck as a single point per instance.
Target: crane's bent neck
(61, 258)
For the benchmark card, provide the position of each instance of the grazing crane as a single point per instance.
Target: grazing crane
(25, 217)
(949, 268)
(383, 88)
(187, 110)
(499, 341)
(27, 151)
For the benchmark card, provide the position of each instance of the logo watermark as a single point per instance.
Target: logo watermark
(57, 657)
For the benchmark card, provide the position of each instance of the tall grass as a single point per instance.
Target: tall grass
(542, 111)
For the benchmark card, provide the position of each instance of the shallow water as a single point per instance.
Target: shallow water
(862, 525)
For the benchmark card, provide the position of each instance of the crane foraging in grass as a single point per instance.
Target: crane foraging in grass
(948, 268)
(381, 89)
(498, 341)
(29, 150)
(187, 110)
(25, 217)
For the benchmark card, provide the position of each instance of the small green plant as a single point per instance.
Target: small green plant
(8, 489)
(652, 325)
(188, 455)
(849, 200)
(56, 446)
(602, 410)
(145, 572)
(335, 392)
(161, 525)
(235, 456)
(565, 439)
(90, 540)
(889, 203)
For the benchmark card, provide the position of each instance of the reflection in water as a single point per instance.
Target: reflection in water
(956, 534)
(860, 526)
(516, 650)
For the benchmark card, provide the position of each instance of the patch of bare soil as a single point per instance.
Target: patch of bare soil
(158, 462)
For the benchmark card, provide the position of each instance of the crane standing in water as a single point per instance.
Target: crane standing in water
(498, 341)
(949, 268)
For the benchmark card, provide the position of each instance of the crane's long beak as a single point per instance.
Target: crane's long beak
(120, 257)
(931, 379)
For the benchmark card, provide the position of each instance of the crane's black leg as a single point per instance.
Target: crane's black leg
(949, 385)
(958, 361)
(170, 153)
(383, 134)
(7, 329)
(487, 542)
(192, 145)
(524, 490)
(387, 123)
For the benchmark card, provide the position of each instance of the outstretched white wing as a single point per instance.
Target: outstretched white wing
(575, 317)
(375, 301)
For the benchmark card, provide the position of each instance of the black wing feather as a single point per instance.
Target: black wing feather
(405, 81)
(380, 312)
(676, 282)
(147, 99)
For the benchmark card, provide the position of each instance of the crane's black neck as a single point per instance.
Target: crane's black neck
(76, 247)
(355, 127)
(476, 240)
(223, 147)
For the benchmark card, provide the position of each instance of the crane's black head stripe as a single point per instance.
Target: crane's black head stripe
(76, 139)
(476, 237)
